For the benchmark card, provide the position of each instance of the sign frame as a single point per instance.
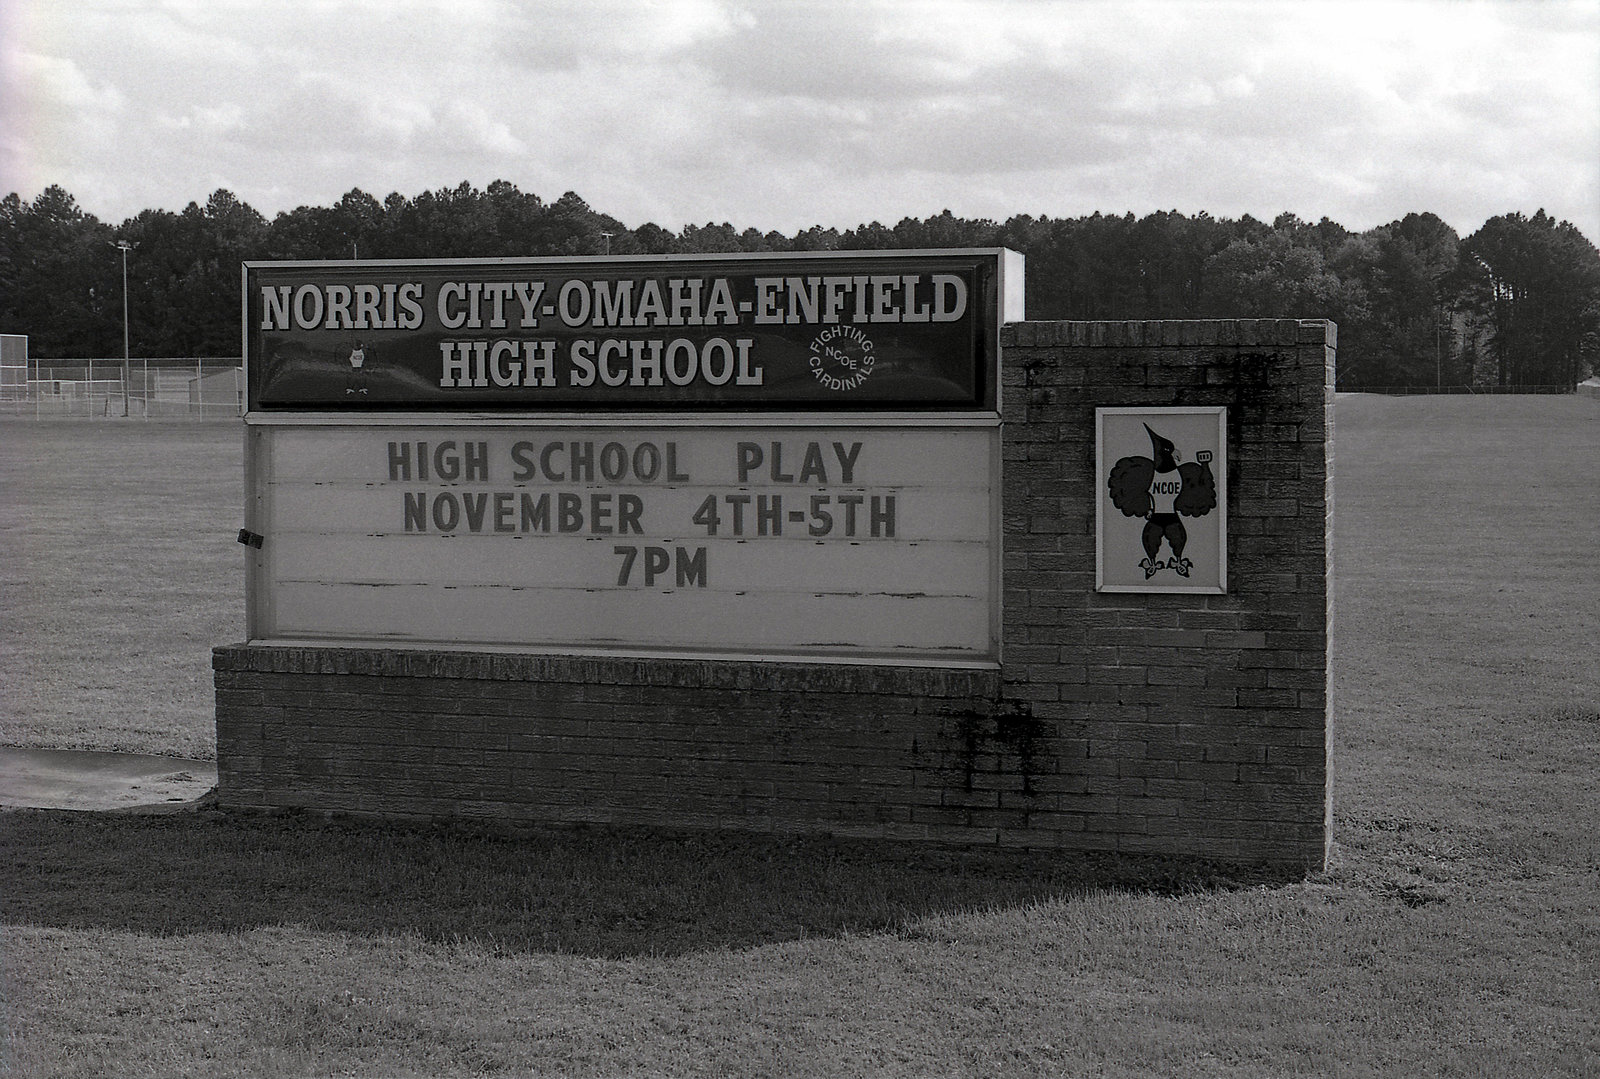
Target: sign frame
(310, 359)
(317, 519)
(778, 416)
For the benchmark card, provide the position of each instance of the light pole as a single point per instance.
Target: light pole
(127, 375)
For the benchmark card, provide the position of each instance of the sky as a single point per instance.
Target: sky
(778, 115)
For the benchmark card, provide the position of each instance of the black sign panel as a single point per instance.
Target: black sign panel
(794, 332)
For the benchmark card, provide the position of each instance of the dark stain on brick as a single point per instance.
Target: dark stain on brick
(1007, 738)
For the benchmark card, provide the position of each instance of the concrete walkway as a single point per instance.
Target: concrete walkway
(73, 779)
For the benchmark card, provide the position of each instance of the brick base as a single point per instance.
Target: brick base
(858, 751)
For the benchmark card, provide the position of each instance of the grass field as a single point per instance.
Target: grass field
(1456, 933)
(119, 571)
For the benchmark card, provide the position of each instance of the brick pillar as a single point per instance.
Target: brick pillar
(1174, 723)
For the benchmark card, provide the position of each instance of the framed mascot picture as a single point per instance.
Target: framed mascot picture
(1161, 512)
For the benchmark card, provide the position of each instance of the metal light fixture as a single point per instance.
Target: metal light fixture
(127, 375)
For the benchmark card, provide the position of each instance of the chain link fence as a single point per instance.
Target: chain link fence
(201, 388)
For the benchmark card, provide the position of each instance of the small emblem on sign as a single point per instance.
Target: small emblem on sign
(841, 358)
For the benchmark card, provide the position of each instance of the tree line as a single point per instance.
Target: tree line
(1515, 303)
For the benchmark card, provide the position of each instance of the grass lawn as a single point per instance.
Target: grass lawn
(1457, 932)
(119, 571)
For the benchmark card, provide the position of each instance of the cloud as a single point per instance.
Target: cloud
(55, 85)
(565, 36)
(51, 108)
(778, 115)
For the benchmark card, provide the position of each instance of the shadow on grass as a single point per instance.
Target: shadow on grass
(590, 891)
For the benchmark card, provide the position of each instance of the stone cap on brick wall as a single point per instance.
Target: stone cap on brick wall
(1172, 333)
(609, 670)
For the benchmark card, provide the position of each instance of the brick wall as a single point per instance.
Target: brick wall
(866, 751)
(1183, 724)
(1175, 722)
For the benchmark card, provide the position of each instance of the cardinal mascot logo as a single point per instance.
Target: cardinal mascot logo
(1163, 491)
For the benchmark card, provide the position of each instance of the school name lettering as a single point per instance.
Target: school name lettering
(448, 508)
(632, 303)
(610, 362)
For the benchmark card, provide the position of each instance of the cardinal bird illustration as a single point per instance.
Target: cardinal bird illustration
(1163, 492)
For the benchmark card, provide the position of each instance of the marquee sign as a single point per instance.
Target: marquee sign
(913, 330)
(776, 456)
(856, 543)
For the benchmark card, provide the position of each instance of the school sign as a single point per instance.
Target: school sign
(912, 331)
(801, 543)
(715, 456)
